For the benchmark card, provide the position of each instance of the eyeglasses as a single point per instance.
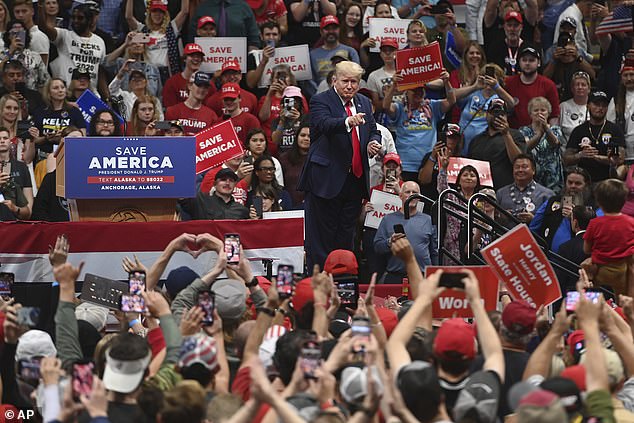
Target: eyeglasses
(105, 122)
(268, 169)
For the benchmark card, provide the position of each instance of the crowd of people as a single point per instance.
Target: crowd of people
(540, 91)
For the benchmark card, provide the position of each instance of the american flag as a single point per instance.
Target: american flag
(620, 20)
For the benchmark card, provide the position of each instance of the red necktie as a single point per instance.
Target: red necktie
(357, 165)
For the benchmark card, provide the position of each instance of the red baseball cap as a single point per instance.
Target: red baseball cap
(230, 90)
(519, 317)
(302, 294)
(577, 374)
(455, 335)
(339, 262)
(230, 64)
(392, 157)
(328, 20)
(389, 41)
(388, 319)
(573, 339)
(205, 20)
(255, 4)
(512, 14)
(193, 48)
(158, 4)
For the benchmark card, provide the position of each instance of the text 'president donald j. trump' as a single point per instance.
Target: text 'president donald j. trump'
(335, 176)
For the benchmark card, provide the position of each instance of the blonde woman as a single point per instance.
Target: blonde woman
(5, 16)
(163, 33)
(144, 112)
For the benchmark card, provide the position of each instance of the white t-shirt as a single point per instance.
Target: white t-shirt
(75, 51)
(157, 47)
(571, 115)
(40, 43)
(379, 81)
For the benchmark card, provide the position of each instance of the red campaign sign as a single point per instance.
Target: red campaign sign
(523, 267)
(216, 145)
(453, 302)
(419, 65)
(483, 168)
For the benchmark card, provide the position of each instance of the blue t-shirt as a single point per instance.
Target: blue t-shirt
(474, 104)
(416, 132)
(320, 60)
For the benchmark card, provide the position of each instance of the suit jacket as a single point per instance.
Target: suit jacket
(330, 154)
(573, 251)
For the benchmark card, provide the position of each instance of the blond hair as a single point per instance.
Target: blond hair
(349, 68)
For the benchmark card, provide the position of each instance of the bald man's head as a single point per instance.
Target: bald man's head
(409, 188)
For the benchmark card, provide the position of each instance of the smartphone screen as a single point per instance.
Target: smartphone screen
(206, 303)
(348, 291)
(390, 174)
(29, 369)
(6, 280)
(289, 103)
(284, 281)
(82, 379)
(398, 229)
(361, 332)
(163, 125)
(232, 248)
(452, 280)
(572, 298)
(136, 281)
(309, 359)
(29, 316)
(132, 304)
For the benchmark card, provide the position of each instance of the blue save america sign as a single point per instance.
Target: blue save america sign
(122, 167)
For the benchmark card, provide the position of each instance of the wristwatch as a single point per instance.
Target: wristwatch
(253, 283)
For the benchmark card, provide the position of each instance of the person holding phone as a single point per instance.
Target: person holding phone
(164, 31)
(176, 89)
(17, 41)
(132, 71)
(292, 114)
(134, 48)
(15, 182)
(418, 230)
(257, 60)
(143, 113)
(231, 72)
(256, 146)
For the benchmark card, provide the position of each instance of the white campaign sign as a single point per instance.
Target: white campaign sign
(388, 28)
(384, 203)
(220, 49)
(296, 57)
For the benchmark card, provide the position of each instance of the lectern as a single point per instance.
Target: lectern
(120, 179)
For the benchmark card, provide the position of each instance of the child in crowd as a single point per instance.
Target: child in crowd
(609, 239)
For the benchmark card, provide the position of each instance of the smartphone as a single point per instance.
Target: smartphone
(141, 38)
(390, 174)
(452, 280)
(361, 332)
(137, 66)
(398, 229)
(489, 71)
(284, 282)
(249, 159)
(20, 87)
(567, 201)
(29, 369)
(29, 316)
(289, 103)
(438, 10)
(572, 298)
(309, 358)
(136, 282)
(348, 291)
(6, 281)
(82, 379)
(207, 303)
(270, 43)
(257, 204)
(563, 40)
(232, 248)
(614, 150)
(281, 77)
(163, 125)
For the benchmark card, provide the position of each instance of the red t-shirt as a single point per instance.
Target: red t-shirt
(522, 94)
(175, 90)
(275, 9)
(243, 123)
(192, 121)
(248, 102)
(239, 192)
(611, 237)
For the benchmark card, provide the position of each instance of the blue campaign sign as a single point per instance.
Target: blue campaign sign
(130, 167)
(89, 103)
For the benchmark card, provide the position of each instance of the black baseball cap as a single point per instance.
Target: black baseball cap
(529, 50)
(79, 73)
(598, 97)
(226, 173)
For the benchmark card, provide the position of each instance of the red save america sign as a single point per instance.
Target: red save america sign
(453, 302)
(419, 65)
(523, 267)
(216, 145)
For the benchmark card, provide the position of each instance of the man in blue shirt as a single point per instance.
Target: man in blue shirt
(419, 231)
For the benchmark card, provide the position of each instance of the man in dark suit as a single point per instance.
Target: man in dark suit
(573, 248)
(336, 174)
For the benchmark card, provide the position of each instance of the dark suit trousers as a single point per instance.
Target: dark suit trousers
(330, 223)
